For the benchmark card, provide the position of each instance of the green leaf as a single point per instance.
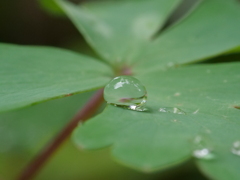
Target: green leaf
(210, 30)
(155, 140)
(192, 39)
(234, 51)
(34, 74)
(24, 132)
(116, 30)
(52, 7)
(28, 129)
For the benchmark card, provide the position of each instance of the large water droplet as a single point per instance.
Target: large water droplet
(127, 92)
(202, 147)
(171, 110)
(236, 148)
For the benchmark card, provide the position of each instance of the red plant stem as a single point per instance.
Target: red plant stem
(86, 112)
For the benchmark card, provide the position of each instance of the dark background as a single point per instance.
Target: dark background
(26, 22)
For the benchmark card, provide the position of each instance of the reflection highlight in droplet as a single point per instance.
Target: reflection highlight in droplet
(173, 110)
(236, 148)
(202, 147)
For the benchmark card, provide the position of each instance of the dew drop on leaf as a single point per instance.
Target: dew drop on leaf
(171, 110)
(127, 92)
(236, 148)
(202, 148)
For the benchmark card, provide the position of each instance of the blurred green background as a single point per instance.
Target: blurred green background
(25, 131)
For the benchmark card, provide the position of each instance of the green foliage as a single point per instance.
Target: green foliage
(27, 129)
(125, 34)
(117, 30)
(153, 140)
(24, 132)
(33, 74)
(51, 7)
(210, 30)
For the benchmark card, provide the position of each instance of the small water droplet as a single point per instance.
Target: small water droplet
(171, 110)
(177, 94)
(127, 92)
(145, 25)
(103, 29)
(236, 148)
(170, 64)
(208, 71)
(203, 154)
(202, 147)
(195, 112)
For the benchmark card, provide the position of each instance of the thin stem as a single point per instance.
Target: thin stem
(86, 112)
